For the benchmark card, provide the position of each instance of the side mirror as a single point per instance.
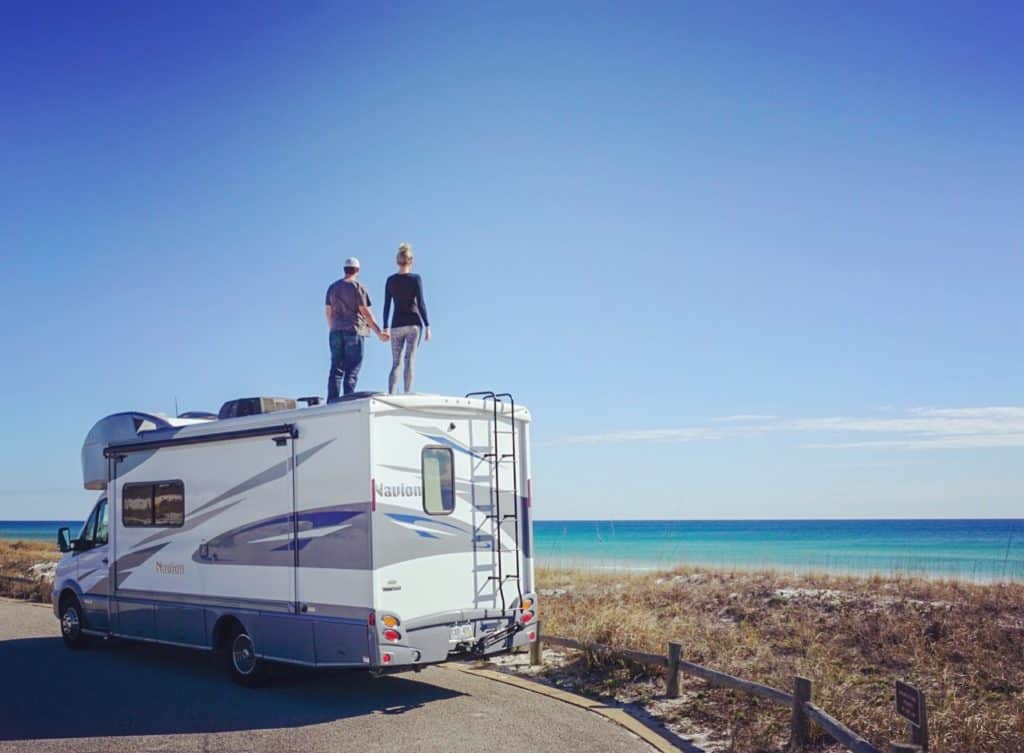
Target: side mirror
(64, 540)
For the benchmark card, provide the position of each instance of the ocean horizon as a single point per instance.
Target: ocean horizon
(964, 549)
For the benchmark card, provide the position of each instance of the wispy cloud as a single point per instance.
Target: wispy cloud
(741, 418)
(913, 429)
(684, 434)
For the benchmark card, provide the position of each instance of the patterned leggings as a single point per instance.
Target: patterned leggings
(407, 338)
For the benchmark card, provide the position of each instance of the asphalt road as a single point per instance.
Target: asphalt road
(120, 696)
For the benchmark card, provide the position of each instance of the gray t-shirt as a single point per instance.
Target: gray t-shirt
(345, 297)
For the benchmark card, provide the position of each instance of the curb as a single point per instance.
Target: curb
(614, 714)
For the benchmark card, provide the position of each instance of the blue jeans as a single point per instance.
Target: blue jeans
(346, 358)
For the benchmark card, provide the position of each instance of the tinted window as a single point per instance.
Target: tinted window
(85, 535)
(137, 505)
(438, 481)
(158, 504)
(102, 524)
(169, 504)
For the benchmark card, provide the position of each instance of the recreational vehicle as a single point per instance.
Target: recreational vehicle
(382, 531)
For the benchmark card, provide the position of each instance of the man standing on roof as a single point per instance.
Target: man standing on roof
(349, 319)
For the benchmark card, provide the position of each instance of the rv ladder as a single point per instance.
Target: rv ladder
(495, 458)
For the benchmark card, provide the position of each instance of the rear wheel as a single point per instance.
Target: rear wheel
(71, 623)
(246, 667)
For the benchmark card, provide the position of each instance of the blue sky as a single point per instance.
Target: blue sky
(741, 260)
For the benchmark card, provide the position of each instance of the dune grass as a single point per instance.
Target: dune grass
(961, 643)
(17, 580)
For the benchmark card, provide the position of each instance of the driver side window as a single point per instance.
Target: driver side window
(86, 534)
(96, 530)
(102, 524)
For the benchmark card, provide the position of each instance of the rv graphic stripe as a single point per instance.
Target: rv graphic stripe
(441, 439)
(327, 537)
(272, 473)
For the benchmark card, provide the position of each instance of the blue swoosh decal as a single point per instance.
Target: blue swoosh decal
(403, 518)
(449, 442)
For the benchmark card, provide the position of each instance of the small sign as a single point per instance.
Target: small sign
(909, 703)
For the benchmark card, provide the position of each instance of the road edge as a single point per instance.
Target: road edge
(12, 600)
(614, 714)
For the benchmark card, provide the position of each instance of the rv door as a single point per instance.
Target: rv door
(92, 560)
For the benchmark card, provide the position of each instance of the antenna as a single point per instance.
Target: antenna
(175, 406)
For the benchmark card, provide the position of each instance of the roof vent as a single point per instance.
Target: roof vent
(251, 406)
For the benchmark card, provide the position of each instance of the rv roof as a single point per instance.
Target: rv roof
(380, 400)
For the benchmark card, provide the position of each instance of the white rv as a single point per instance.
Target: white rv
(381, 531)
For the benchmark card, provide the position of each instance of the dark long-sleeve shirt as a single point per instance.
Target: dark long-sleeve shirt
(406, 290)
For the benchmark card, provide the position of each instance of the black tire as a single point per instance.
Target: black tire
(245, 666)
(72, 622)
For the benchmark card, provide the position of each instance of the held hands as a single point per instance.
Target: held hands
(384, 336)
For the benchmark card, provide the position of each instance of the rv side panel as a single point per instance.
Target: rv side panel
(201, 530)
(333, 495)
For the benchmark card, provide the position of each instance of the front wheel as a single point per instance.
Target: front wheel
(245, 666)
(71, 624)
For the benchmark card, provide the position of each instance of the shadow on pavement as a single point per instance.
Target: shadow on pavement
(125, 688)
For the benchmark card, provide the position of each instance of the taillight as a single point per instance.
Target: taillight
(527, 616)
(527, 604)
(389, 620)
(531, 635)
(372, 619)
(385, 658)
(373, 495)
(392, 635)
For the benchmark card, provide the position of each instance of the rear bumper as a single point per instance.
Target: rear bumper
(429, 640)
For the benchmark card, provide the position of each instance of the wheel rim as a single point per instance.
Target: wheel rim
(243, 654)
(70, 624)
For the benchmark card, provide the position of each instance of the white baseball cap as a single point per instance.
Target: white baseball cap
(351, 262)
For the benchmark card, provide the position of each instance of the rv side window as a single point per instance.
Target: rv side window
(161, 504)
(137, 505)
(169, 504)
(438, 481)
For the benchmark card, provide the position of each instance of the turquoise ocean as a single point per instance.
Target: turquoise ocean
(983, 550)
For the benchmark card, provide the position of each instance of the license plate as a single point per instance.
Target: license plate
(461, 633)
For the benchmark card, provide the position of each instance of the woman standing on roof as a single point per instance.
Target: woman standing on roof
(410, 318)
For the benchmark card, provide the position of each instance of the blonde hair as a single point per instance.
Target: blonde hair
(404, 255)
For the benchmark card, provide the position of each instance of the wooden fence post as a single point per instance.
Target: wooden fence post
(535, 652)
(904, 748)
(919, 733)
(672, 678)
(798, 726)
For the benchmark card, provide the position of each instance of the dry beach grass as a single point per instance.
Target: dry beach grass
(962, 643)
(26, 569)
